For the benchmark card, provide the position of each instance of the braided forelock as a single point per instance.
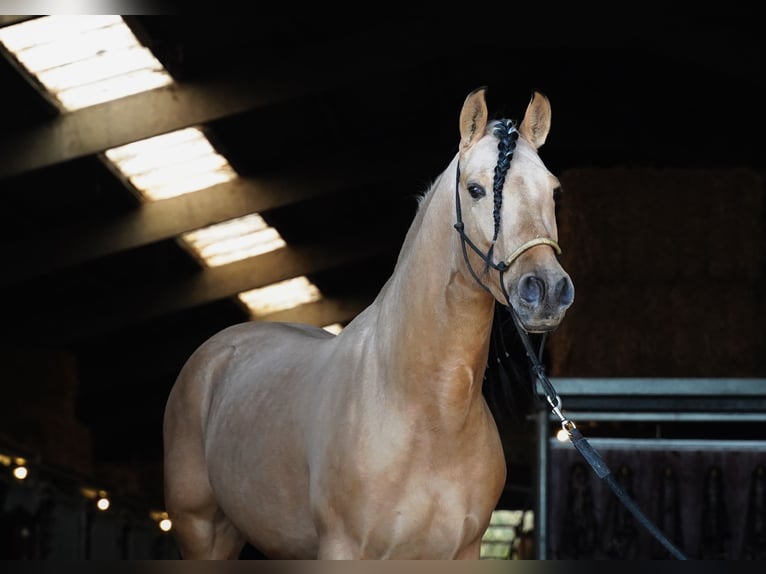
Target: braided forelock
(506, 134)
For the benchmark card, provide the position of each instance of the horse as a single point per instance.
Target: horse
(377, 442)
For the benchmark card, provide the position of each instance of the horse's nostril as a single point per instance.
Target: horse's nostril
(531, 289)
(565, 292)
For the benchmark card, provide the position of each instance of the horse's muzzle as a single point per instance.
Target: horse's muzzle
(541, 299)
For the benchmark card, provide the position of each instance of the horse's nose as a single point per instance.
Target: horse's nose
(533, 290)
(564, 292)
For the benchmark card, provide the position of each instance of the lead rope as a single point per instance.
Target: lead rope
(583, 446)
(554, 400)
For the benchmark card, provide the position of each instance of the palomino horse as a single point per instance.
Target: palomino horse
(376, 443)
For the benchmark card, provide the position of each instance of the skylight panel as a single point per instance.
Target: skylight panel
(83, 60)
(233, 240)
(52, 29)
(334, 328)
(171, 164)
(280, 296)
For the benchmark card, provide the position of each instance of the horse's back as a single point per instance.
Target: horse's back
(232, 357)
(229, 403)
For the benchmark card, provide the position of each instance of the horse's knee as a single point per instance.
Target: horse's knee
(337, 548)
(201, 538)
(193, 536)
(470, 552)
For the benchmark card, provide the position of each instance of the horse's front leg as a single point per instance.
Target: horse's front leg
(470, 552)
(338, 546)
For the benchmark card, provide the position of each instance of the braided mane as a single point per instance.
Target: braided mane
(506, 134)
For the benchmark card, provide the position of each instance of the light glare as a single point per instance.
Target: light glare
(280, 296)
(233, 240)
(171, 164)
(51, 29)
(335, 328)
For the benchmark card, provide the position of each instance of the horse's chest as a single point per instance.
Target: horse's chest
(423, 508)
(405, 494)
(426, 518)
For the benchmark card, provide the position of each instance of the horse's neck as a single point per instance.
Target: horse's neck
(435, 320)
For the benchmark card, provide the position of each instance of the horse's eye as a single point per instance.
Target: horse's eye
(476, 190)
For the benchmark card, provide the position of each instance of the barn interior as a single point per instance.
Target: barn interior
(330, 130)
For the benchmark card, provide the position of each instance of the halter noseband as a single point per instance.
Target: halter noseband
(528, 245)
(500, 266)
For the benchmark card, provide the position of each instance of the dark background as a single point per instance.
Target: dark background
(657, 135)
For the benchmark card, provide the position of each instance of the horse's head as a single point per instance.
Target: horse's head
(506, 212)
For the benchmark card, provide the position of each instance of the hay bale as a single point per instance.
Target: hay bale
(38, 408)
(668, 267)
(662, 331)
(662, 224)
(44, 377)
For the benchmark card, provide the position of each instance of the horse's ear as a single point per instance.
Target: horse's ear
(537, 120)
(473, 118)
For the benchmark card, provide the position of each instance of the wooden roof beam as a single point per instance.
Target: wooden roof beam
(64, 325)
(29, 257)
(95, 129)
